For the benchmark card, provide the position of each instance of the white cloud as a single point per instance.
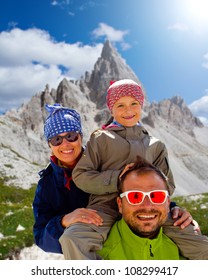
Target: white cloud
(71, 14)
(112, 34)
(30, 59)
(199, 108)
(205, 63)
(178, 26)
(54, 3)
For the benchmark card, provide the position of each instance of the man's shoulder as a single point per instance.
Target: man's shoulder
(112, 242)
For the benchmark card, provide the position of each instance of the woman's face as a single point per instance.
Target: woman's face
(68, 152)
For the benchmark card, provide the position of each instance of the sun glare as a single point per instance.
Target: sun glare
(198, 9)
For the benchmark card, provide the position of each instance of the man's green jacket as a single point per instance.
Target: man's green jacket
(123, 244)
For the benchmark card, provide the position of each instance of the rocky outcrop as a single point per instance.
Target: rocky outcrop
(175, 112)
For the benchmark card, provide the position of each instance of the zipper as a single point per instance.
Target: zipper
(150, 250)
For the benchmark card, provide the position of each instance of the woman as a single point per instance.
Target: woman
(58, 203)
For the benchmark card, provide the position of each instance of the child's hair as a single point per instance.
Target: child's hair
(109, 121)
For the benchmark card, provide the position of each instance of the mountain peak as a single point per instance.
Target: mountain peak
(108, 50)
(110, 66)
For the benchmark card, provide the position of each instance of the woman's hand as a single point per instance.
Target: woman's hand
(83, 215)
(184, 218)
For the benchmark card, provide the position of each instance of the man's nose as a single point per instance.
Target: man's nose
(146, 202)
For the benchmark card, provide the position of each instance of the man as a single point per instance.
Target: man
(144, 204)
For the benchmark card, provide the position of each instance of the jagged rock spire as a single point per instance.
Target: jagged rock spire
(110, 66)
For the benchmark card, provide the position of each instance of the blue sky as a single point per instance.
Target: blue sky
(165, 42)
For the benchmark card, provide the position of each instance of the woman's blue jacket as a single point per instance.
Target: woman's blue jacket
(56, 195)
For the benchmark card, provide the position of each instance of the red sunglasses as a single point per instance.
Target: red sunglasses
(137, 197)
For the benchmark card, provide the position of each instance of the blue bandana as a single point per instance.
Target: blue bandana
(60, 120)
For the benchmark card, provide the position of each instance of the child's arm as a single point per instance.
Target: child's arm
(88, 174)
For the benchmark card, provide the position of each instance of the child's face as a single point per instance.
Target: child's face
(127, 111)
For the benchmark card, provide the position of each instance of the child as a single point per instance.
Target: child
(108, 151)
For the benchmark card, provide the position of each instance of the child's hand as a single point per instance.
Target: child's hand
(126, 168)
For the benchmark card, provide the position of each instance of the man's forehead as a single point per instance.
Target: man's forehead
(143, 180)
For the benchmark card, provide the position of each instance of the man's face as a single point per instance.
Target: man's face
(146, 218)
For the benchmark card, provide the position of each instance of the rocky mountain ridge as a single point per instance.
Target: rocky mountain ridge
(24, 151)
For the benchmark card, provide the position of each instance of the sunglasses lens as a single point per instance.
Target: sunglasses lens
(72, 137)
(135, 197)
(158, 197)
(56, 140)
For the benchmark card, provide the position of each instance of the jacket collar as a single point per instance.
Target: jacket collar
(126, 232)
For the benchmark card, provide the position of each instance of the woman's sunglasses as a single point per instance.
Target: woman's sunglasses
(58, 139)
(137, 197)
